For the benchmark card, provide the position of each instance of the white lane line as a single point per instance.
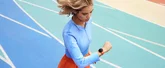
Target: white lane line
(55, 1)
(35, 5)
(130, 42)
(104, 6)
(24, 25)
(6, 59)
(92, 66)
(158, 44)
(36, 21)
(116, 66)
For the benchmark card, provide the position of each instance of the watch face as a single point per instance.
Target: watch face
(100, 50)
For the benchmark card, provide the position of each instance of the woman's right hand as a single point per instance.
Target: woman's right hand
(106, 47)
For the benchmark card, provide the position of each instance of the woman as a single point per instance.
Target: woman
(77, 35)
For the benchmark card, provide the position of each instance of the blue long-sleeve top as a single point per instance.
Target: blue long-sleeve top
(76, 41)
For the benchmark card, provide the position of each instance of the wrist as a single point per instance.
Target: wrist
(101, 51)
(99, 54)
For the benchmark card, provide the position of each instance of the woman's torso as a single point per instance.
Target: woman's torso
(81, 34)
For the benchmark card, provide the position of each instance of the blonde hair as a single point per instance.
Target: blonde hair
(70, 6)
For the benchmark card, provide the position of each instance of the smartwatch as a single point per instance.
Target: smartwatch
(101, 51)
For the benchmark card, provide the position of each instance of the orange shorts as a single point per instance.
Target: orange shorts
(68, 63)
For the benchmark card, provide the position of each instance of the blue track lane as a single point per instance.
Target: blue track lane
(10, 9)
(26, 48)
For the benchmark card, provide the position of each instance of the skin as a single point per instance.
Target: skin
(82, 16)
